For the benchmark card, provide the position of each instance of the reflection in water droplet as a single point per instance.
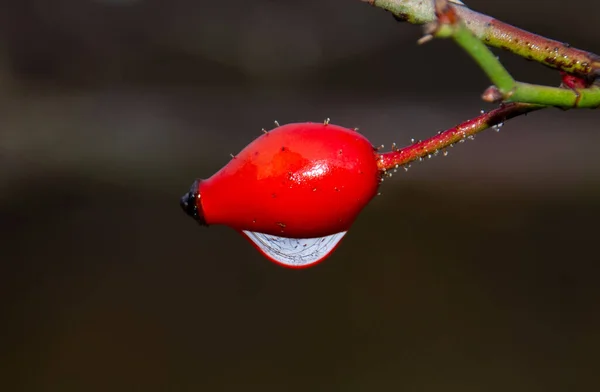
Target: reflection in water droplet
(294, 252)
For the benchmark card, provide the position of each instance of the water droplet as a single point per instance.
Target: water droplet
(445, 153)
(412, 140)
(294, 252)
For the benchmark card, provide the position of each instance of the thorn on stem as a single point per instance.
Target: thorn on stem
(424, 39)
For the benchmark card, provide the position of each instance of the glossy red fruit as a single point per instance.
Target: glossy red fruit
(296, 188)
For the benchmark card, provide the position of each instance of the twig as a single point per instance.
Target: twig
(501, 35)
(518, 98)
(506, 89)
(433, 145)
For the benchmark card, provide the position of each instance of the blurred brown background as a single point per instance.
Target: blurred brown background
(473, 272)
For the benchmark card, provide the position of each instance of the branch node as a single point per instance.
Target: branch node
(445, 13)
(492, 95)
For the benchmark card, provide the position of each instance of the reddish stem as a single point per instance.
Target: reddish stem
(431, 146)
(547, 51)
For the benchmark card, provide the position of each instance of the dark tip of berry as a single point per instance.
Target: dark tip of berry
(190, 201)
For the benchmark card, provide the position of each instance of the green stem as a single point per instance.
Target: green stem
(501, 35)
(554, 96)
(481, 54)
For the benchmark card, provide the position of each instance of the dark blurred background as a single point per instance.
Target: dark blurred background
(473, 272)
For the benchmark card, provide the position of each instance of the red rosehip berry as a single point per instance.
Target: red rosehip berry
(293, 192)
